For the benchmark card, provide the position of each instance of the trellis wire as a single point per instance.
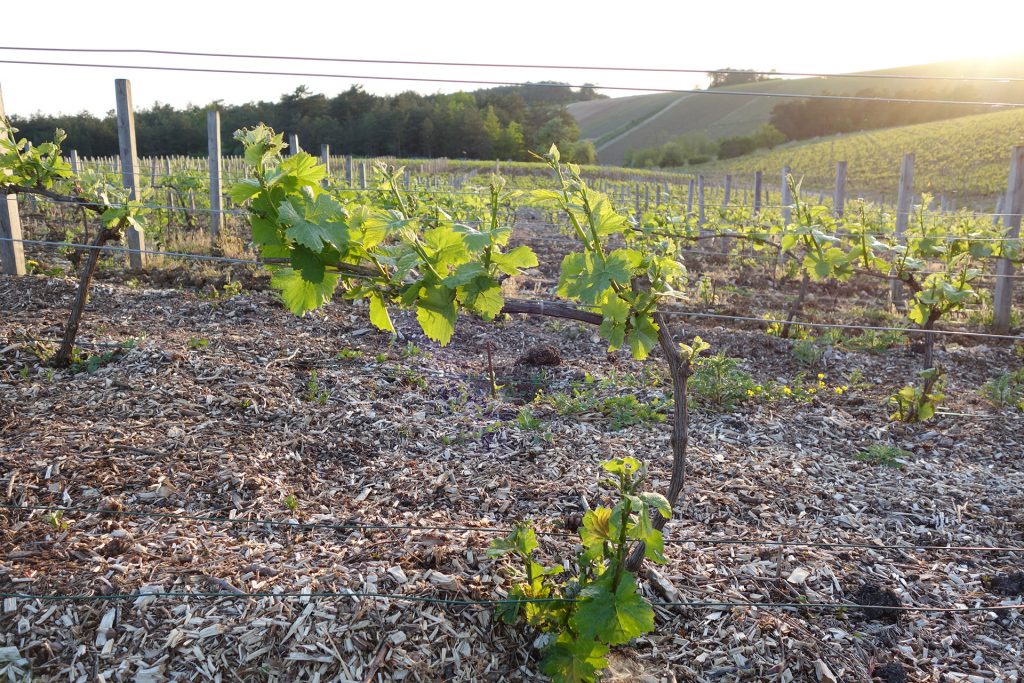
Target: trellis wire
(499, 530)
(318, 595)
(669, 312)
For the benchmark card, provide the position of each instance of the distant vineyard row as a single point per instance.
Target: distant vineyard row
(963, 158)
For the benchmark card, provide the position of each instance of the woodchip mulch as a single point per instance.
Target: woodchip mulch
(212, 414)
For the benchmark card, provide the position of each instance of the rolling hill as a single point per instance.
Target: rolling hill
(619, 124)
(966, 158)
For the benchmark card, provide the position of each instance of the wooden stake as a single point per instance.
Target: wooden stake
(129, 160)
(904, 203)
(1013, 207)
(12, 249)
(216, 189)
(839, 197)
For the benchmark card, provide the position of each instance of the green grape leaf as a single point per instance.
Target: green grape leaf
(309, 264)
(446, 247)
(522, 540)
(483, 296)
(615, 313)
(604, 218)
(615, 618)
(508, 612)
(465, 274)
(513, 261)
(299, 170)
(919, 312)
(587, 279)
(298, 294)
(627, 465)
(243, 190)
(475, 240)
(643, 530)
(596, 528)
(643, 337)
(436, 312)
(379, 313)
(571, 660)
(367, 227)
(316, 225)
(657, 502)
(264, 232)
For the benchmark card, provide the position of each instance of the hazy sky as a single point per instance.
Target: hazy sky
(798, 35)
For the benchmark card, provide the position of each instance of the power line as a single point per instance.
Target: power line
(630, 69)
(421, 79)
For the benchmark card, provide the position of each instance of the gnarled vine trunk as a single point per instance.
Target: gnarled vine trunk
(67, 345)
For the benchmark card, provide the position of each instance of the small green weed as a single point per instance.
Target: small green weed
(718, 382)
(626, 411)
(875, 341)
(807, 352)
(411, 351)
(57, 521)
(883, 454)
(1005, 390)
(198, 344)
(291, 502)
(231, 289)
(314, 394)
(576, 403)
(349, 354)
(92, 363)
(527, 421)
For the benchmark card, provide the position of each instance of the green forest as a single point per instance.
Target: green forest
(495, 123)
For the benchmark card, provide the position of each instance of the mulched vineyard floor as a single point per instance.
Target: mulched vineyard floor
(215, 412)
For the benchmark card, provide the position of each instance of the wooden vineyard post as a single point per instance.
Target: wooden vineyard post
(12, 249)
(700, 202)
(1013, 206)
(129, 167)
(325, 159)
(73, 160)
(758, 178)
(293, 144)
(689, 198)
(216, 184)
(839, 197)
(728, 191)
(786, 199)
(348, 170)
(903, 206)
(362, 176)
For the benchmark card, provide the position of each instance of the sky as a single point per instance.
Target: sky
(797, 35)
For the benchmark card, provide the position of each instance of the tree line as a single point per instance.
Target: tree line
(496, 123)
